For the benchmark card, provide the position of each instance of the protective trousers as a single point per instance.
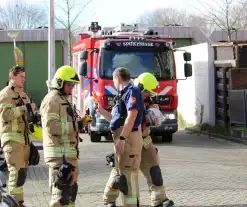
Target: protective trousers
(65, 196)
(151, 170)
(17, 156)
(124, 177)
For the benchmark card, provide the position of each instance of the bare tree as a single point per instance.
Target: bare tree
(163, 16)
(227, 15)
(201, 22)
(68, 14)
(20, 15)
(171, 16)
(79, 30)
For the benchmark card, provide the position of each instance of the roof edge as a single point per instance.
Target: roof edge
(27, 35)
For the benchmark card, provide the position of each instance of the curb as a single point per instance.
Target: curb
(218, 136)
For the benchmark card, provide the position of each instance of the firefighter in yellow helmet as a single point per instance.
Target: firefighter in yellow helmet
(61, 138)
(150, 157)
(14, 129)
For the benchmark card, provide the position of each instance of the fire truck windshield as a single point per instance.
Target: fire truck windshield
(158, 63)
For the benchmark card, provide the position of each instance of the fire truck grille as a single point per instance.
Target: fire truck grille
(161, 100)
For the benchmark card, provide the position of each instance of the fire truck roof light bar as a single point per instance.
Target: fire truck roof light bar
(134, 29)
(94, 27)
(124, 31)
(141, 36)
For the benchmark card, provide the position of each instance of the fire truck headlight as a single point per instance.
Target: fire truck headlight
(171, 116)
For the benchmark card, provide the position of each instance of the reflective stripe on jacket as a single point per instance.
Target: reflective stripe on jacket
(59, 131)
(12, 116)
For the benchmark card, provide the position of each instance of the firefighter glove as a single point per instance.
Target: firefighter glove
(29, 107)
(31, 128)
(20, 103)
(80, 126)
(34, 156)
(3, 164)
(70, 111)
(110, 160)
(64, 175)
(37, 117)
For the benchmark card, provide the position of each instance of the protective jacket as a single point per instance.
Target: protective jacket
(13, 117)
(60, 129)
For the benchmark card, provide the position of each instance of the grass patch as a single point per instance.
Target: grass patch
(216, 129)
(210, 129)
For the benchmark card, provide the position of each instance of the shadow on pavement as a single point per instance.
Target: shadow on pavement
(227, 205)
(184, 139)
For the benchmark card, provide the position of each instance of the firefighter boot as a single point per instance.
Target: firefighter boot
(166, 203)
(110, 205)
(21, 204)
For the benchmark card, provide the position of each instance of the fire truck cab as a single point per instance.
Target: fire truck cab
(98, 53)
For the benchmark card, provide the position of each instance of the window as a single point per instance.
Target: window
(160, 64)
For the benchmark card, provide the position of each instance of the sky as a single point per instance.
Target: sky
(114, 12)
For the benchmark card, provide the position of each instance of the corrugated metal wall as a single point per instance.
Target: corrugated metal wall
(36, 64)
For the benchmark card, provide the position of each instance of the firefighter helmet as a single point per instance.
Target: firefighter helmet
(146, 81)
(37, 132)
(64, 74)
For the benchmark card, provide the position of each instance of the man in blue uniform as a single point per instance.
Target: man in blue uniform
(150, 157)
(125, 122)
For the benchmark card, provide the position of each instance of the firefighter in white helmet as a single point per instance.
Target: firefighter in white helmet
(61, 138)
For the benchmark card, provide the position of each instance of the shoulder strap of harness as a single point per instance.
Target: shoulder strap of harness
(70, 110)
(26, 132)
(71, 113)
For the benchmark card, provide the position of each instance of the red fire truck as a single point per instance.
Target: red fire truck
(98, 53)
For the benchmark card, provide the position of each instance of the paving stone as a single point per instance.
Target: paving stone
(197, 171)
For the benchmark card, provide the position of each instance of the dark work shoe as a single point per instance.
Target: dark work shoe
(21, 204)
(166, 203)
(110, 205)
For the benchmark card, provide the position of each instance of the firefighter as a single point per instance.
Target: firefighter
(150, 157)
(125, 123)
(15, 140)
(61, 138)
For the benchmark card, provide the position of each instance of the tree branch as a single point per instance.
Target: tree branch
(79, 13)
(22, 16)
(61, 22)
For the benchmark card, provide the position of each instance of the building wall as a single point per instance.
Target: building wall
(198, 90)
(35, 62)
(182, 42)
